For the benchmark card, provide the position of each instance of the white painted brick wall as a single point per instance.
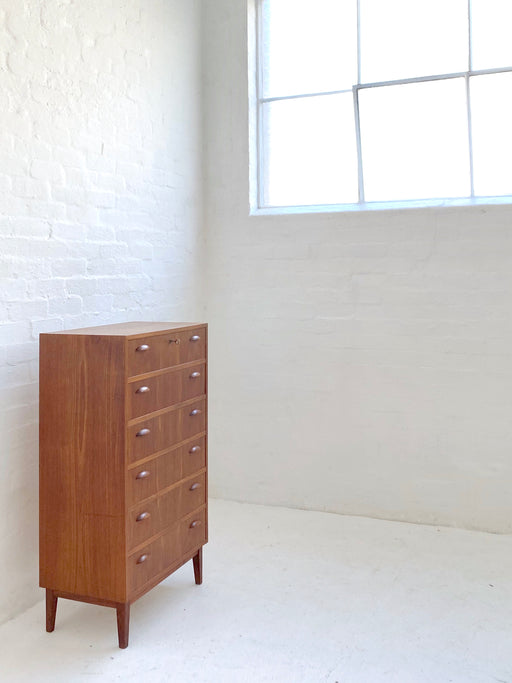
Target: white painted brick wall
(100, 205)
(360, 363)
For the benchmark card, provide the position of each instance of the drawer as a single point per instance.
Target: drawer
(148, 563)
(155, 475)
(145, 564)
(142, 482)
(163, 351)
(193, 456)
(166, 551)
(182, 500)
(193, 494)
(165, 390)
(192, 532)
(144, 521)
(158, 433)
(155, 515)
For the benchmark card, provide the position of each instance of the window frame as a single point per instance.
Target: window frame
(257, 147)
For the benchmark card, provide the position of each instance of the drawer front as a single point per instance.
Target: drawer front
(145, 564)
(151, 517)
(193, 494)
(144, 521)
(182, 500)
(192, 532)
(167, 469)
(142, 482)
(193, 456)
(166, 350)
(157, 433)
(165, 390)
(166, 551)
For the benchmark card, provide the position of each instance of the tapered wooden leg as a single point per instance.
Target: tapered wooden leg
(198, 566)
(51, 609)
(123, 623)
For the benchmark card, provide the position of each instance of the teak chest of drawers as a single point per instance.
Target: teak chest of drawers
(123, 461)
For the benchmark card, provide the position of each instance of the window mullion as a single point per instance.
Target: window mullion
(260, 170)
(358, 42)
(470, 38)
(468, 100)
(360, 177)
(300, 96)
(470, 136)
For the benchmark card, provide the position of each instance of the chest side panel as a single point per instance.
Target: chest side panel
(82, 461)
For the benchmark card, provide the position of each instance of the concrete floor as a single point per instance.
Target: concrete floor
(292, 596)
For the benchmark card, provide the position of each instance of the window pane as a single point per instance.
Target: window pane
(415, 141)
(309, 151)
(491, 116)
(491, 26)
(407, 38)
(308, 46)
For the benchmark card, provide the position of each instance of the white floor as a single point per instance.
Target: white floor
(292, 596)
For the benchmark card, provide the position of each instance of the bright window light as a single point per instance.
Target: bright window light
(299, 151)
(364, 102)
(415, 141)
(491, 107)
(407, 38)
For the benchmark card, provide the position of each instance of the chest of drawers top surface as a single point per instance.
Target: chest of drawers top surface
(130, 329)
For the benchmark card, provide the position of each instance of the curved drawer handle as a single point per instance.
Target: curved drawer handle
(142, 516)
(195, 375)
(195, 412)
(143, 475)
(142, 559)
(143, 390)
(195, 523)
(194, 449)
(176, 341)
(142, 347)
(143, 432)
(195, 338)
(194, 487)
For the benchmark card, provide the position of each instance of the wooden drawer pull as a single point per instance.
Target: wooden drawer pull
(175, 341)
(142, 516)
(143, 475)
(143, 432)
(195, 412)
(195, 523)
(194, 487)
(195, 338)
(194, 449)
(195, 375)
(143, 390)
(142, 347)
(142, 559)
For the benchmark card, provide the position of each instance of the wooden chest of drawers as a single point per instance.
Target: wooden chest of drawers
(123, 461)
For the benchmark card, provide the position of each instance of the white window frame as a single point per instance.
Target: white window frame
(256, 144)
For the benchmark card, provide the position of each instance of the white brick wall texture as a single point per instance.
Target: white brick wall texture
(360, 363)
(100, 205)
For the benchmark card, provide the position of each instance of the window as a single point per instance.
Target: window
(365, 102)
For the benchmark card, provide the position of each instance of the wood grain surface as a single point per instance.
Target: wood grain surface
(123, 461)
(82, 462)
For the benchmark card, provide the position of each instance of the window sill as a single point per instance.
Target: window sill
(380, 206)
